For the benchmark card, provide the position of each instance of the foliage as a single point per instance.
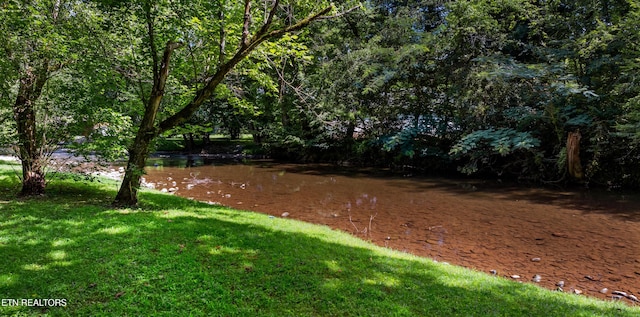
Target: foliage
(403, 141)
(474, 79)
(481, 145)
(389, 82)
(40, 40)
(172, 85)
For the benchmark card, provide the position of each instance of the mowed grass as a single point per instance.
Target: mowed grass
(177, 257)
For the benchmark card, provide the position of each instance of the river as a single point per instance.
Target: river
(587, 240)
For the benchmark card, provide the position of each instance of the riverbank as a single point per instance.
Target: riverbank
(576, 241)
(559, 240)
(63, 161)
(174, 256)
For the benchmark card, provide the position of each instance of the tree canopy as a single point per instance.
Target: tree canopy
(482, 87)
(473, 87)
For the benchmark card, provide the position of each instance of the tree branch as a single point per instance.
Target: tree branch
(337, 15)
(164, 66)
(152, 44)
(55, 12)
(267, 23)
(296, 27)
(247, 22)
(223, 37)
(153, 104)
(261, 37)
(203, 94)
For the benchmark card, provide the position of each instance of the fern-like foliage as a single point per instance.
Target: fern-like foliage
(480, 145)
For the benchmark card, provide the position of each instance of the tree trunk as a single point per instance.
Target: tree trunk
(256, 133)
(138, 153)
(192, 142)
(351, 129)
(189, 144)
(206, 139)
(234, 132)
(573, 155)
(33, 179)
(29, 151)
(139, 150)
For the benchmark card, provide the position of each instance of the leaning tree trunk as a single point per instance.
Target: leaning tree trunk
(29, 151)
(139, 150)
(138, 153)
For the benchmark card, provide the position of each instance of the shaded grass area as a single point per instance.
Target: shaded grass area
(177, 257)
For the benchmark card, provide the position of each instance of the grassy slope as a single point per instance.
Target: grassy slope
(176, 257)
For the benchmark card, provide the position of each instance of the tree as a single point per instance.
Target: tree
(536, 72)
(273, 24)
(376, 76)
(492, 86)
(39, 39)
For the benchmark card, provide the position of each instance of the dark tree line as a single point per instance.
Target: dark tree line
(477, 87)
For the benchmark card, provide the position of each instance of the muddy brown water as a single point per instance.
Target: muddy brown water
(586, 239)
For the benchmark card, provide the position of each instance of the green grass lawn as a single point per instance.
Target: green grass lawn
(177, 257)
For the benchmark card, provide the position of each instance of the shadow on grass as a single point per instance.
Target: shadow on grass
(176, 257)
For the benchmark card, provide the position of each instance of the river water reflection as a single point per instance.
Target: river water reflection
(275, 189)
(462, 222)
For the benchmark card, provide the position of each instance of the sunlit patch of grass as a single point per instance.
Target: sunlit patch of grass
(333, 266)
(57, 255)
(176, 257)
(7, 279)
(382, 279)
(33, 241)
(115, 230)
(34, 267)
(61, 242)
